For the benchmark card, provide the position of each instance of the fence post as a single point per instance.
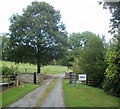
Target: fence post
(16, 80)
(35, 77)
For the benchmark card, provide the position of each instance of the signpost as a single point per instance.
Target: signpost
(82, 77)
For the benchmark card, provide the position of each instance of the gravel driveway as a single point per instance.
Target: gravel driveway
(55, 98)
(30, 99)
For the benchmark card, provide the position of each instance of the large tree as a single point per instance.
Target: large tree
(88, 55)
(5, 46)
(38, 35)
(112, 74)
(114, 8)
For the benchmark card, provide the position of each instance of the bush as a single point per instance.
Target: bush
(112, 88)
(9, 70)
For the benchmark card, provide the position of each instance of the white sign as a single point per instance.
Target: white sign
(82, 77)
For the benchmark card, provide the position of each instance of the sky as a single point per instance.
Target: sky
(77, 15)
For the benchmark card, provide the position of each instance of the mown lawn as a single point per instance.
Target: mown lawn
(0, 100)
(87, 96)
(13, 94)
(50, 69)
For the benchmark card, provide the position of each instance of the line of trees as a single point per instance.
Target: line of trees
(87, 55)
(38, 37)
(112, 73)
(90, 54)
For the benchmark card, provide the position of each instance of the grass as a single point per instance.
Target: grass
(46, 93)
(86, 96)
(13, 94)
(0, 100)
(25, 67)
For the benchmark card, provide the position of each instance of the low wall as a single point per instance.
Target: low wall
(30, 77)
(40, 78)
(67, 75)
(27, 78)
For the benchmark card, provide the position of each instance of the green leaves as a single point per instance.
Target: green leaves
(9, 70)
(87, 53)
(114, 8)
(112, 74)
(38, 35)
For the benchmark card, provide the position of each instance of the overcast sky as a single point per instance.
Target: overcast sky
(77, 15)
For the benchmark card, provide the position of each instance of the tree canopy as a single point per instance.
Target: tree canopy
(112, 74)
(114, 8)
(86, 55)
(38, 35)
(5, 45)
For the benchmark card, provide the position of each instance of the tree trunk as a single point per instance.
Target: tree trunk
(38, 59)
(38, 68)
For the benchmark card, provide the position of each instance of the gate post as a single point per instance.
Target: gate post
(35, 77)
(16, 80)
(70, 78)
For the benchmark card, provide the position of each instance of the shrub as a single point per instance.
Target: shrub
(112, 88)
(9, 70)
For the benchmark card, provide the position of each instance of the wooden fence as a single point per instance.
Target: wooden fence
(9, 81)
(92, 82)
(89, 81)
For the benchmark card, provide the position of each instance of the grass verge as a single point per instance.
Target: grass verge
(0, 100)
(86, 96)
(13, 94)
(46, 93)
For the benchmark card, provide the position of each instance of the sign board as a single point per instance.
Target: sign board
(82, 77)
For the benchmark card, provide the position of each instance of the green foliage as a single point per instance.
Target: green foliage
(88, 55)
(9, 70)
(0, 48)
(38, 35)
(75, 41)
(112, 74)
(5, 46)
(112, 88)
(114, 8)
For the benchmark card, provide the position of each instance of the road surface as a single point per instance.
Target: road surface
(55, 98)
(30, 99)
